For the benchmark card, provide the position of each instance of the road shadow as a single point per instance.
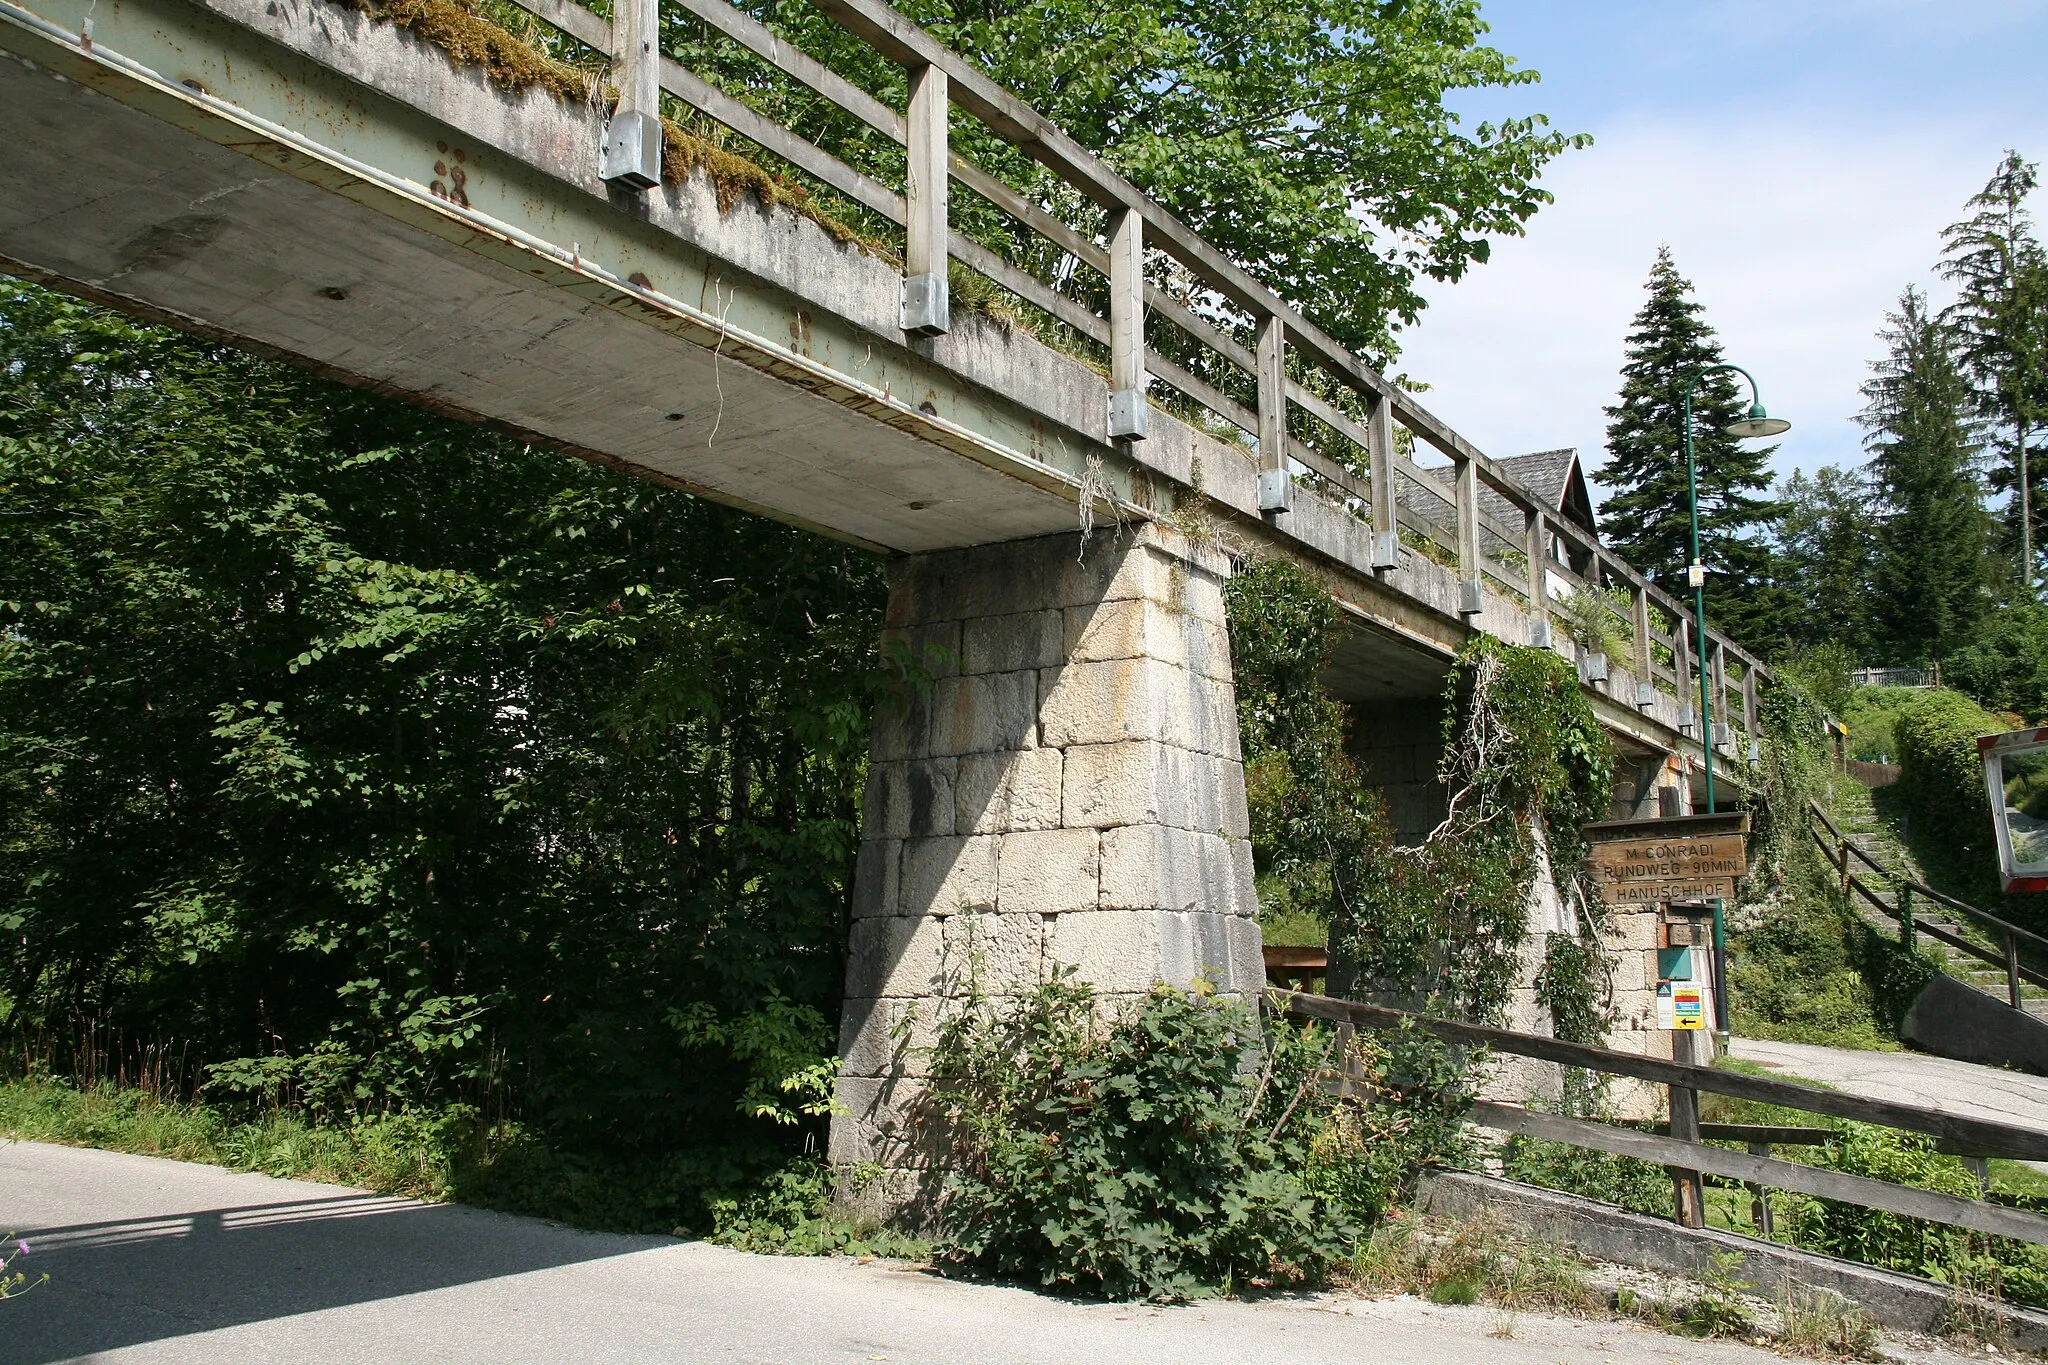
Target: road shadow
(126, 1282)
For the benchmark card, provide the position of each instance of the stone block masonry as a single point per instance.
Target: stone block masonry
(1066, 790)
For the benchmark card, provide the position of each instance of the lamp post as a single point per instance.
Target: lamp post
(1757, 423)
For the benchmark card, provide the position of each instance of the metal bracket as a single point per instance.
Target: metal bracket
(927, 305)
(1592, 667)
(1386, 549)
(1688, 720)
(1540, 634)
(1276, 490)
(632, 151)
(1646, 695)
(1129, 417)
(1470, 600)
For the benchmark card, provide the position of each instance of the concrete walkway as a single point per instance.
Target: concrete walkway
(163, 1261)
(1910, 1077)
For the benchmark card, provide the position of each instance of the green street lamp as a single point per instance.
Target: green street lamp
(1757, 423)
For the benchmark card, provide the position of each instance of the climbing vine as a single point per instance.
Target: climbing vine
(1434, 926)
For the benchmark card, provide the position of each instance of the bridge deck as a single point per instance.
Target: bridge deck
(298, 178)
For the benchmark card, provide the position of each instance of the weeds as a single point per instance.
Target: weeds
(1475, 1260)
(1717, 1309)
(1823, 1326)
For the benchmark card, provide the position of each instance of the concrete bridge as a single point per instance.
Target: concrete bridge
(400, 209)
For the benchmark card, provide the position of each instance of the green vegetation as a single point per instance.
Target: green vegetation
(1647, 511)
(1526, 763)
(1171, 1152)
(390, 767)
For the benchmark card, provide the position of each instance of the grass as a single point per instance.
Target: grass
(396, 1154)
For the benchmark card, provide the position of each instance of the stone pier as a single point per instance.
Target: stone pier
(1068, 789)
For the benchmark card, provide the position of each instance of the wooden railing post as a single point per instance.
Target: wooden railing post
(1688, 1191)
(1128, 415)
(1469, 600)
(1646, 649)
(1386, 530)
(1719, 678)
(631, 155)
(1276, 488)
(1538, 550)
(2012, 969)
(1688, 687)
(927, 302)
(1749, 699)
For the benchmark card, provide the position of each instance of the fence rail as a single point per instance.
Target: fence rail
(1838, 849)
(1682, 1150)
(1307, 383)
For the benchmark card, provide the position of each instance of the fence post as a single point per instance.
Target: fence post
(1906, 916)
(1128, 415)
(927, 304)
(1759, 1198)
(1276, 489)
(631, 155)
(1749, 698)
(1688, 1192)
(1469, 600)
(2012, 968)
(1386, 529)
(1720, 689)
(1538, 551)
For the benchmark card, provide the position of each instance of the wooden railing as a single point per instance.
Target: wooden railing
(1837, 848)
(1683, 1148)
(1306, 383)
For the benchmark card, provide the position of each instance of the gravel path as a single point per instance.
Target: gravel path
(157, 1261)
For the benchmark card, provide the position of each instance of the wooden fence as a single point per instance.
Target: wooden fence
(1682, 1149)
(1309, 410)
(1839, 851)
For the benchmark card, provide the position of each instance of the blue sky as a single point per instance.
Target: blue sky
(1800, 158)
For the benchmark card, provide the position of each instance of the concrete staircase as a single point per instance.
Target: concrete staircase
(1869, 835)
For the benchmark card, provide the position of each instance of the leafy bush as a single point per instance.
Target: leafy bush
(2006, 666)
(1943, 778)
(1164, 1149)
(1621, 1180)
(2016, 1270)
(790, 1214)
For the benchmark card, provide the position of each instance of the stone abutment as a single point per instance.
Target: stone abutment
(1057, 782)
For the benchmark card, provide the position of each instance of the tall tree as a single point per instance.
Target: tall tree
(2000, 318)
(1823, 556)
(1646, 517)
(1927, 572)
(1311, 141)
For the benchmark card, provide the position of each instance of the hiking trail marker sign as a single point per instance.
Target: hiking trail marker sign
(1642, 863)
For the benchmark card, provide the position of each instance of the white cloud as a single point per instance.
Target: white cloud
(1797, 237)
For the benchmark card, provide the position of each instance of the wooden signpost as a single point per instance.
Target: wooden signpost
(1677, 861)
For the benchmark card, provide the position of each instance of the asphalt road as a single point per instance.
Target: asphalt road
(1988, 1092)
(161, 1261)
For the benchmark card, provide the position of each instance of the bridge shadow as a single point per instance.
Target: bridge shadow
(128, 1282)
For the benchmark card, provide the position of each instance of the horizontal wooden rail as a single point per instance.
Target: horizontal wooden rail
(1983, 917)
(1986, 1136)
(1475, 536)
(1996, 1219)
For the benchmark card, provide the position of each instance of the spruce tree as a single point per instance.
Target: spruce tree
(1646, 516)
(1824, 547)
(1928, 566)
(2000, 320)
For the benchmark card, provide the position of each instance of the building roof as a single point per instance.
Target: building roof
(1552, 475)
